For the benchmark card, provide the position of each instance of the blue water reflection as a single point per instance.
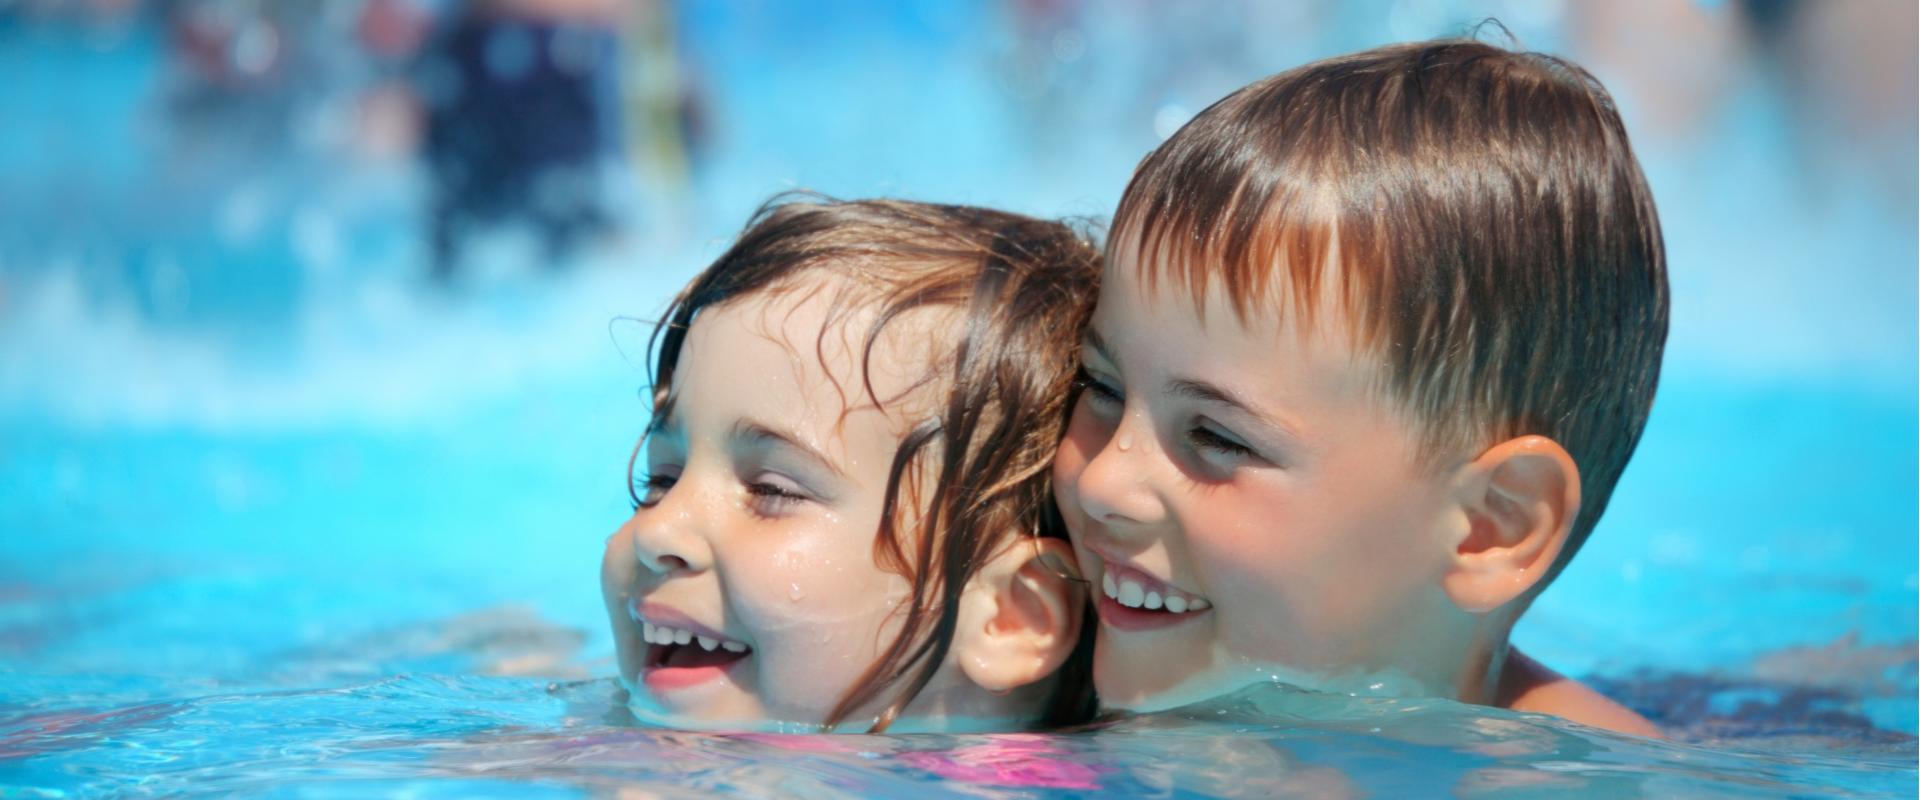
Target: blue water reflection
(284, 505)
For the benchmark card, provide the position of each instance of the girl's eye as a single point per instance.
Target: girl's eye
(647, 492)
(771, 495)
(1209, 440)
(1098, 392)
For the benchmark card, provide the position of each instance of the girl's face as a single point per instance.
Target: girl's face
(744, 591)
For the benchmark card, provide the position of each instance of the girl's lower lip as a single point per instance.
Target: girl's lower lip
(665, 678)
(1122, 618)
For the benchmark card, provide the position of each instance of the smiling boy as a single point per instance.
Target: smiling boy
(1375, 339)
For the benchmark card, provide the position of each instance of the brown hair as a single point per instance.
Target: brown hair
(1479, 217)
(1025, 288)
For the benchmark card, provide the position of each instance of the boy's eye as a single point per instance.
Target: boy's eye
(1207, 439)
(647, 491)
(1099, 392)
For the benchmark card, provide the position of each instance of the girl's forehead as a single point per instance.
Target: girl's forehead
(808, 354)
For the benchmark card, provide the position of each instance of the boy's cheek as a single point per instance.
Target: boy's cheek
(1084, 440)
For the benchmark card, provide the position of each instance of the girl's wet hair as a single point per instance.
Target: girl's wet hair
(1023, 289)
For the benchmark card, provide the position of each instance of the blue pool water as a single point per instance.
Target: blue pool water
(277, 515)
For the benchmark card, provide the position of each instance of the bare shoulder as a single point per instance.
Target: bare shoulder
(1528, 685)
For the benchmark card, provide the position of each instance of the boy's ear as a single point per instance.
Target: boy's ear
(1520, 498)
(1020, 616)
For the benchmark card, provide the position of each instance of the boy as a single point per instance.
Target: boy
(1375, 339)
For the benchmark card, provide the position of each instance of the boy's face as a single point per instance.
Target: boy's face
(1249, 504)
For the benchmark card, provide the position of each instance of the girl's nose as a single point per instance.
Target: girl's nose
(1116, 485)
(671, 536)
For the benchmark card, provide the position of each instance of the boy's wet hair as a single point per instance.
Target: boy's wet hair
(1023, 289)
(1476, 214)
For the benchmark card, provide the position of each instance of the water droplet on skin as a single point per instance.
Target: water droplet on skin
(1125, 441)
(793, 592)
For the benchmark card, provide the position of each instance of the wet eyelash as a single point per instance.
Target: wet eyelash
(770, 499)
(651, 484)
(1205, 439)
(1086, 382)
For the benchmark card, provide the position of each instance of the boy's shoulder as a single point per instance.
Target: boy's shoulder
(1528, 685)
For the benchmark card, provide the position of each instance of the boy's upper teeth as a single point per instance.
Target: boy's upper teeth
(1128, 592)
(661, 634)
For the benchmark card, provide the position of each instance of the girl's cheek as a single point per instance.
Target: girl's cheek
(617, 570)
(805, 577)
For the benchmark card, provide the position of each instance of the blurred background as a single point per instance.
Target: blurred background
(322, 325)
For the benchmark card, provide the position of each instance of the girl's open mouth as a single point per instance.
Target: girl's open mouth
(679, 658)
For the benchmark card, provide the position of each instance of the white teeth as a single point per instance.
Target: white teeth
(1131, 594)
(661, 634)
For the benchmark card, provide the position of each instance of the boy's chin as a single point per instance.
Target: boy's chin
(1122, 683)
(1144, 683)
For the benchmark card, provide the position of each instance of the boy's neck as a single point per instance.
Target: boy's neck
(1485, 671)
(1483, 661)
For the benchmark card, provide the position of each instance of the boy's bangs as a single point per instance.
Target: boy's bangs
(1271, 245)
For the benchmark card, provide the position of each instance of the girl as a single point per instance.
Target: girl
(845, 515)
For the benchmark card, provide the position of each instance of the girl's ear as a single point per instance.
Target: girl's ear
(1519, 499)
(1020, 615)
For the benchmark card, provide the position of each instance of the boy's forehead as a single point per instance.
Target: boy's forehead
(1302, 371)
(1146, 287)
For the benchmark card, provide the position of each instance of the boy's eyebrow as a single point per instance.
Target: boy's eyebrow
(1091, 340)
(1207, 392)
(1201, 390)
(756, 432)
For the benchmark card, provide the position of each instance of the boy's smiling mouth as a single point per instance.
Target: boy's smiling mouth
(684, 653)
(1131, 600)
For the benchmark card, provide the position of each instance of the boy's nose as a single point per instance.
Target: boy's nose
(1115, 487)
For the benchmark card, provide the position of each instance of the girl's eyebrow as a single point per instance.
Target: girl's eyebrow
(663, 418)
(758, 433)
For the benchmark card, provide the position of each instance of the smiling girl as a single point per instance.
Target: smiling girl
(842, 508)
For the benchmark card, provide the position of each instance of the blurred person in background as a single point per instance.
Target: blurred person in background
(521, 113)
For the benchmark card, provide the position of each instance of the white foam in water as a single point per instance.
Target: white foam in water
(389, 353)
(292, 520)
